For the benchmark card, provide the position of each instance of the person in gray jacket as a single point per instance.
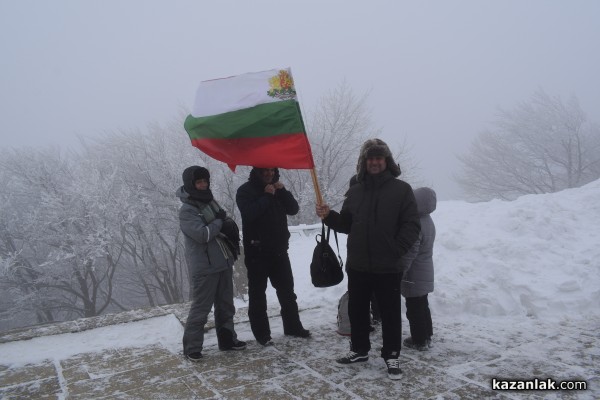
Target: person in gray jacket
(417, 282)
(210, 259)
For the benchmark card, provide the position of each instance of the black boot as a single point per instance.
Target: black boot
(227, 342)
(301, 333)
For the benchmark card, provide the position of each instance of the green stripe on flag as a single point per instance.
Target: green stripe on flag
(269, 119)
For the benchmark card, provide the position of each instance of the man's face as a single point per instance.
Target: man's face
(267, 175)
(375, 165)
(201, 184)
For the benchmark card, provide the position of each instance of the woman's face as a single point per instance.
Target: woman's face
(201, 184)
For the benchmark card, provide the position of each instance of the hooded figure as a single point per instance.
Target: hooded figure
(417, 281)
(210, 209)
(189, 176)
(209, 261)
(202, 199)
(264, 204)
(418, 262)
(200, 205)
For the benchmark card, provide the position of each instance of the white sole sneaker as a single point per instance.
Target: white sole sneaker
(395, 377)
(393, 368)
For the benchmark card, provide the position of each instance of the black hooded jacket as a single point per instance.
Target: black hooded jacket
(264, 216)
(381, 219)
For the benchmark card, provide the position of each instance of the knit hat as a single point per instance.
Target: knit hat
(375, 148)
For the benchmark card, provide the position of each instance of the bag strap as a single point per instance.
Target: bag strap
(325, 238)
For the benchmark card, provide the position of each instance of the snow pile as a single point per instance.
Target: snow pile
(538, 255)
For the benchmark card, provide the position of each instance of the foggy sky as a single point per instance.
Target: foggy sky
(437, 71)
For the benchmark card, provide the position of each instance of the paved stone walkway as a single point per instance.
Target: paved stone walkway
(457, 367)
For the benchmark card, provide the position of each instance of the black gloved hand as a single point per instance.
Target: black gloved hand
(221, 214)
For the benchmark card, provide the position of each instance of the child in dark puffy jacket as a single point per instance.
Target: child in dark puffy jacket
(417, 281)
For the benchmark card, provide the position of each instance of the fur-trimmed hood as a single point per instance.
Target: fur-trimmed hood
(373, 148)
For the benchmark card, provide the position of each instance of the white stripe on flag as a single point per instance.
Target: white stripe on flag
(219, 96)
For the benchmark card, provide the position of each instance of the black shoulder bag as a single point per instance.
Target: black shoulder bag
(325, 269)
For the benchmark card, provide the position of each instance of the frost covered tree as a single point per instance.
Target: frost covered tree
(59, 261)
(89, 232)
(336, 127)
(540, 146)
(22, 299)
(147, 168)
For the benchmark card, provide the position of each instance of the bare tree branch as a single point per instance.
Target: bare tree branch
(541, 146)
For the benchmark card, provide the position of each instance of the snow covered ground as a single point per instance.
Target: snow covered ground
(505, 271)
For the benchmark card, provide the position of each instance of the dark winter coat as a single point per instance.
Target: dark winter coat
(418, 278)
(381, 220)
(264, 216)
(205, 252)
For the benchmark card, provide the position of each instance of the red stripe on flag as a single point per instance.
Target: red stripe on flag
(289, 151)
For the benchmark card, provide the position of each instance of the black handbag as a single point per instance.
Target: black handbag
(325, 269)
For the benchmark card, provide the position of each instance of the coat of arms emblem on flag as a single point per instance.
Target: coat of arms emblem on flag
(282, 86)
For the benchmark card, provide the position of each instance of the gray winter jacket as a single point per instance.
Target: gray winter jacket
(418, 262)
(205, 253)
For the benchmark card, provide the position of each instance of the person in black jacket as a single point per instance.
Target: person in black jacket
(381, 219)
(264, 204)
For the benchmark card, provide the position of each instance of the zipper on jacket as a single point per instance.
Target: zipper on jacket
(369, 238)
(376, 209)
(207, 241)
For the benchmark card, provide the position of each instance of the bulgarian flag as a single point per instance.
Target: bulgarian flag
(251, 119)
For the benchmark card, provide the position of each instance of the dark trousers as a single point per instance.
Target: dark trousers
(386, 290)
(419, 318)
(276, 268)
(375, 310)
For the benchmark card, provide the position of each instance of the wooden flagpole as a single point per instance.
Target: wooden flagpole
(313, 173)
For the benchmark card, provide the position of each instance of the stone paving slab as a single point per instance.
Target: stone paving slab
(48, 388)
(456, 367)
